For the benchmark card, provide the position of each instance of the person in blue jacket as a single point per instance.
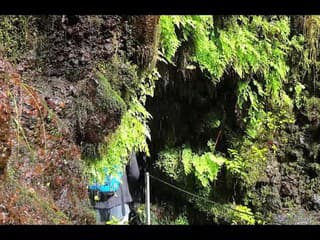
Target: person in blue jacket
(117, 206)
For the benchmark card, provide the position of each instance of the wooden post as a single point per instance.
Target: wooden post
(147, 197)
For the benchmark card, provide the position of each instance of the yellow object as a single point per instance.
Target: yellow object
(96, 198)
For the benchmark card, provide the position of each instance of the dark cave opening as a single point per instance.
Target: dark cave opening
(181, 109)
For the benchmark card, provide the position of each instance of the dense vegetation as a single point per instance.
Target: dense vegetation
(225, 107)
(267, 67)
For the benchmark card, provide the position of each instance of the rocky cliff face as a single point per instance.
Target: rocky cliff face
(53, 108)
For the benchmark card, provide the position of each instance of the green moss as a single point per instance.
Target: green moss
(110, 96)
(122, 89)
(29, 197)
(312, 109)
(264, 200)
(15, 36)
(122, 77)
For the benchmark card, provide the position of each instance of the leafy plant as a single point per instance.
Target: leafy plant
(248, 162)
(133, 131)
(169, 40)
(298, 98)
(243, 215)
(130, 135)
(205, 167)
(234, 214)
(178, 163)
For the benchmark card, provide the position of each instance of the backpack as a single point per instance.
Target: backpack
(102, 192)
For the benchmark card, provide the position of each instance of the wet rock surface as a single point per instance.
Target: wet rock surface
(5, 109)
(298, 187)
(51, 105)
(44, 168)
(296, 217)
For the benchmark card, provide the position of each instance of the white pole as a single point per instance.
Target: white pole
(147, 196)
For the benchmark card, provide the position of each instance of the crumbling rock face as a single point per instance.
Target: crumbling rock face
(145, 32)
(5, 112)
(44, 168)
(51, 104)
(70, 53)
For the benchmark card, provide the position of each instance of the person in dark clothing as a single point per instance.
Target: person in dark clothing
(117, 206)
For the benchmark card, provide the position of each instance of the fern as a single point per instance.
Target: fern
(252, 51)
(130, 135)
(169, 41)
(204, 167)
